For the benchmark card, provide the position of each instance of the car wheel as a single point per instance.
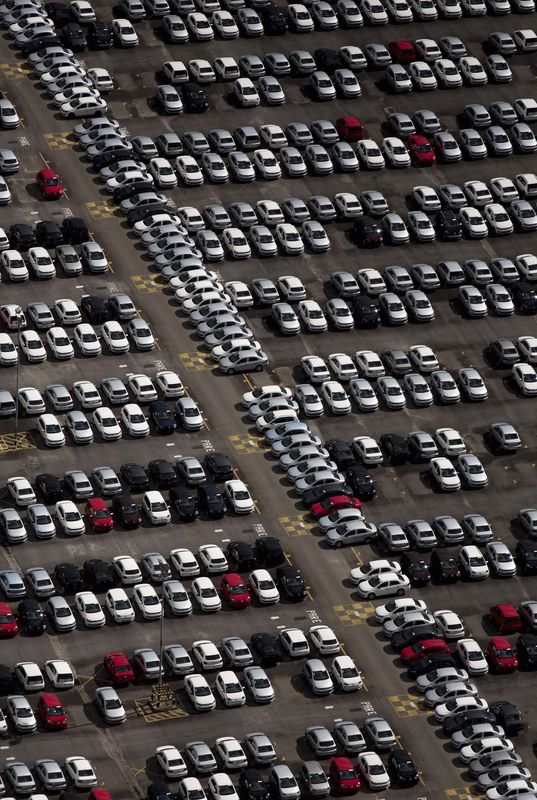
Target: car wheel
(338, 544)
(230, 371)
(371, 596)
(400, 592)
(367, 540)
(259, 368)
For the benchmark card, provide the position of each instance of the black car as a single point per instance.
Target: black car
(6, 679)
(448, 225)
(68, 578)
(98, 575)
(475, 716)
(269, 552)
(184, 503)
(526, 556)
(318, 493)
(49, 488)
(30, 617)
(524, 297)
(162, 416)
(395, 447)
(21, 236)
(362, 485)
(241, 555)
(194, 98)
(443, 566)
(100, 35)
(130, 189)
(48, 234)
(94, 308)
(366, 313)
(416, 568)
(252, 786)
(401, 768)
(418, 634)
(138, 214)
(291, 583)
(434, 661)
(327, 60)
(160, 791)
(274, 21)
(126, 512)
(34, 45)
(219, 466)
(74, 230)
(526, 649)
(502, 353)
(367, 232)
(135, 477)
(162, 472)
(74, 37)
(102, 160)
(211, 501)
(59, 13)
(508, 716)
(266, 647)
(340, 452)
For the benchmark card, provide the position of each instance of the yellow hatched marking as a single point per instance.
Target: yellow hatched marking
(350, 614)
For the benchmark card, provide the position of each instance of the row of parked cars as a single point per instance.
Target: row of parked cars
(477, 731)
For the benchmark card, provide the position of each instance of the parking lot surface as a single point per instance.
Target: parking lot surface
(123, 756)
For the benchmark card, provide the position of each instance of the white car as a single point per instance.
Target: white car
(69, 518)
(472, 71)
(336, 398)
(263, 587)
(324, 639)
(89, 609)
(472, 471)
(472, 657)
(525, 378)
(373, 770)
(370, 154)
(231, 692)
(106, 424)
(119, 606)
(148, 601)
(315, 369)
(213, 558)
(367, 450)
(199, 693)
(50, 430)
(205, 595)
(87, 340)
(363, 395)
(444, 474)
(80, 771)
(258, 684)
(369, 364)
(346, 674)
(33, 348)
(127, 570)
(246, 93)
(449, 623)
(134, 420)
(395, 152)
(238, 497)
(171, 761)
(124, 33)
(155, 508)
(114, 337)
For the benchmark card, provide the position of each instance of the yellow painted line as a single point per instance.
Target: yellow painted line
(421, 779)
(364, 685)
(288, 559)
(44, 160)
(248, 381)
(309, 594)
(157, 344)
(257, 508)
(342, 646)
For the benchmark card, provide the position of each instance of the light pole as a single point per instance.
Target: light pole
(19, 316)
(162, 695)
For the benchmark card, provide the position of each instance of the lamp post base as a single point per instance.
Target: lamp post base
(162, 697)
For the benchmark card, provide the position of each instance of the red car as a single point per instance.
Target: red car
(50, 712)
(424, 648)
(99, 515)
(421, 152)
(49, 183)
(334, 503)
(100, 794)
(343, 777)
(8, 623)
(235, 592)
(501, 656)
(402, 51)
(118, 668)
(350, 129)
(506, 618)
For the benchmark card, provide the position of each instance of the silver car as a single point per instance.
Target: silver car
(60, 614)
(317, 677)
(109, 705)
(49, 774)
